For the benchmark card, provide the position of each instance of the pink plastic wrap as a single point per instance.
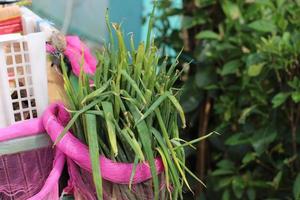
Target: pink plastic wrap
(116, 175)
(31, 174)
(75, 51)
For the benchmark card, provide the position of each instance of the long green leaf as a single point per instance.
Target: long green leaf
(166, 167)
(176, 142)
(189, 143)
(154, 106)
(135, 163)
(74, 118)
(134, 85)
(175, 63)
(133, 144)
(111, 130)
(179, 109)
(150, 26)
(96, 93)
(91, 123)
(191, 173)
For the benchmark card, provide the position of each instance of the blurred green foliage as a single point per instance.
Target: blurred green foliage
(243, 55)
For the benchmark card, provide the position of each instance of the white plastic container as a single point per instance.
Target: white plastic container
(33, 23)
(23, 77)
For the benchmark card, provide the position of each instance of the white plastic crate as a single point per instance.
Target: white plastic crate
(23, 77)
(33, 23)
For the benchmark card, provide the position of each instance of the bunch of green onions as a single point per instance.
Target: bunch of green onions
(131, 112)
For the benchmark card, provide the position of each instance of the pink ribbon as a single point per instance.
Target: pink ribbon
(22, 129)
(35, 127)
(54, 120)
(78, 53)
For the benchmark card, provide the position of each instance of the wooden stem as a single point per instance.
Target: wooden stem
(202, 146)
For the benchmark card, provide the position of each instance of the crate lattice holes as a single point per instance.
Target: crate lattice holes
(23, 84)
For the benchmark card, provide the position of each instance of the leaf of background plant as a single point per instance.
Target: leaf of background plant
(231, 10)
(211, 87)
(296, 97)
(245, 44)
(173, 11)
(227, 115)
(238, 139)
(295, 83)
(276, 180)
(251, 193)
(226, 164)
(226, 195)
(191, 102)
(231, 67)
(261, 140)
(255, 69)
(238, 186)
(245, 113)
(279, 99)
(253, 58)
(189, 22)
(249, 157)
(208, 35)
(191, 96)
(296, 187)
(224, 182)
(204, 77)
(259, 184)
(262, 25)
(222, 172)
(204, 3)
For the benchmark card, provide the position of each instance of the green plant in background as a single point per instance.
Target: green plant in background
(130, 112)
(244, 61)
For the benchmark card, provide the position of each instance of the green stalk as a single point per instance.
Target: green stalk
(150, 26)
(131, 112)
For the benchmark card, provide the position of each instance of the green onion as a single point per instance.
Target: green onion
(131, 112)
